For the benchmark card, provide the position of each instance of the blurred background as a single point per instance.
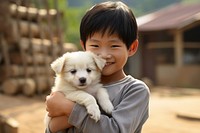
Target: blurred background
(35, 32)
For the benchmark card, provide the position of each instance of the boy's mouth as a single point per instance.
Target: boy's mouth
(108, 63)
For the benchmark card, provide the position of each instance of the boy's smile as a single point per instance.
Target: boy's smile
(113, 50)
(108, 63)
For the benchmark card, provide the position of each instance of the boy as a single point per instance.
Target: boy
(109, 30)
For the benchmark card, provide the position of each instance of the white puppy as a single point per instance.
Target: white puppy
(78, 77)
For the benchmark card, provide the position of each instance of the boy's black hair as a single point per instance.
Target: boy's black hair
(111, 17)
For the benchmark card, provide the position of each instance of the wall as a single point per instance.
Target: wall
(185, 76)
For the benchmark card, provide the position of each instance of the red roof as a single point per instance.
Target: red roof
(173, 17)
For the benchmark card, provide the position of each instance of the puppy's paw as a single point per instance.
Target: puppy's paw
(94, 112)
(107, 107)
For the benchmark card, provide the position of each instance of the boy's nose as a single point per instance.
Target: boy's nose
(104, 55)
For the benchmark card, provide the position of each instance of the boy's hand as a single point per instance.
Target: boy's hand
(58, 105)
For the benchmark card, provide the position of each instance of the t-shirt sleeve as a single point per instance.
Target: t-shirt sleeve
(128, 116)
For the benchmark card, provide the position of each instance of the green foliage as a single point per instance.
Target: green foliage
(73, 19)
(190, 1)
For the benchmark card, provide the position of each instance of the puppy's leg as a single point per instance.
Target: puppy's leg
(88, 101)
(104, 101)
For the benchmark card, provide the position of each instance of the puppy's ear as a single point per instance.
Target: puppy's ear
(99, 61)
(58, 64)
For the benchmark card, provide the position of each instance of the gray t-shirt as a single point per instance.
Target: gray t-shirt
(130, 98)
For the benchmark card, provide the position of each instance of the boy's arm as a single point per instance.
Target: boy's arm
(128, 116)
(59, 123)
(58, 108)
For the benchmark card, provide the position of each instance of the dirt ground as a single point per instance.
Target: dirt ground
(172, 110)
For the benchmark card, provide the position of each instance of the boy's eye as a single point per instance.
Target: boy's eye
(115, 46)
(94, 45)
(73, 71)
(88, 70)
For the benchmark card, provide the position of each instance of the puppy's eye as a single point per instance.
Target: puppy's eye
(73, 71)
(88, 70)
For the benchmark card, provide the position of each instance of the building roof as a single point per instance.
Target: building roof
(175, 16)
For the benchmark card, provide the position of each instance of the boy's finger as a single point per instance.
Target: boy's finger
(47, 109)
(47, 97)
(49, 114)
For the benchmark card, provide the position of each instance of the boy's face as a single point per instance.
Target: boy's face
(112, 49)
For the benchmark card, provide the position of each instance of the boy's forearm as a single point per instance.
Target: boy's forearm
(59, 123)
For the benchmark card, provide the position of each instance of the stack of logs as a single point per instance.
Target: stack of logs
(30, 39)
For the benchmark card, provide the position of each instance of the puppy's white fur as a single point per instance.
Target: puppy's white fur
(78, 77)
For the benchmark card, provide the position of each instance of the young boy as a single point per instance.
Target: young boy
(109, 30)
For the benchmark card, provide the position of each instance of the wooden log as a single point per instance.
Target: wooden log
(12, 30)
(15, 58)
(44, 84)
(67, 47)
(13, 71)
(38, 44)
(24, 29)
(10, 87)
(17, 71)
(29, 87)
(14, 86)
(33, 13)
(8, 125)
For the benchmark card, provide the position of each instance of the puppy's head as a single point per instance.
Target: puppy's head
(80, 69)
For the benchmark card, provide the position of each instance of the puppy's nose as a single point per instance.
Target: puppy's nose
(82, 80)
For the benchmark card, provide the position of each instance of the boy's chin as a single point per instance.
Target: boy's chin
(106, 72)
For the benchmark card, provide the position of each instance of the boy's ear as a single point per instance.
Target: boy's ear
(82, 45)
(133, 48)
